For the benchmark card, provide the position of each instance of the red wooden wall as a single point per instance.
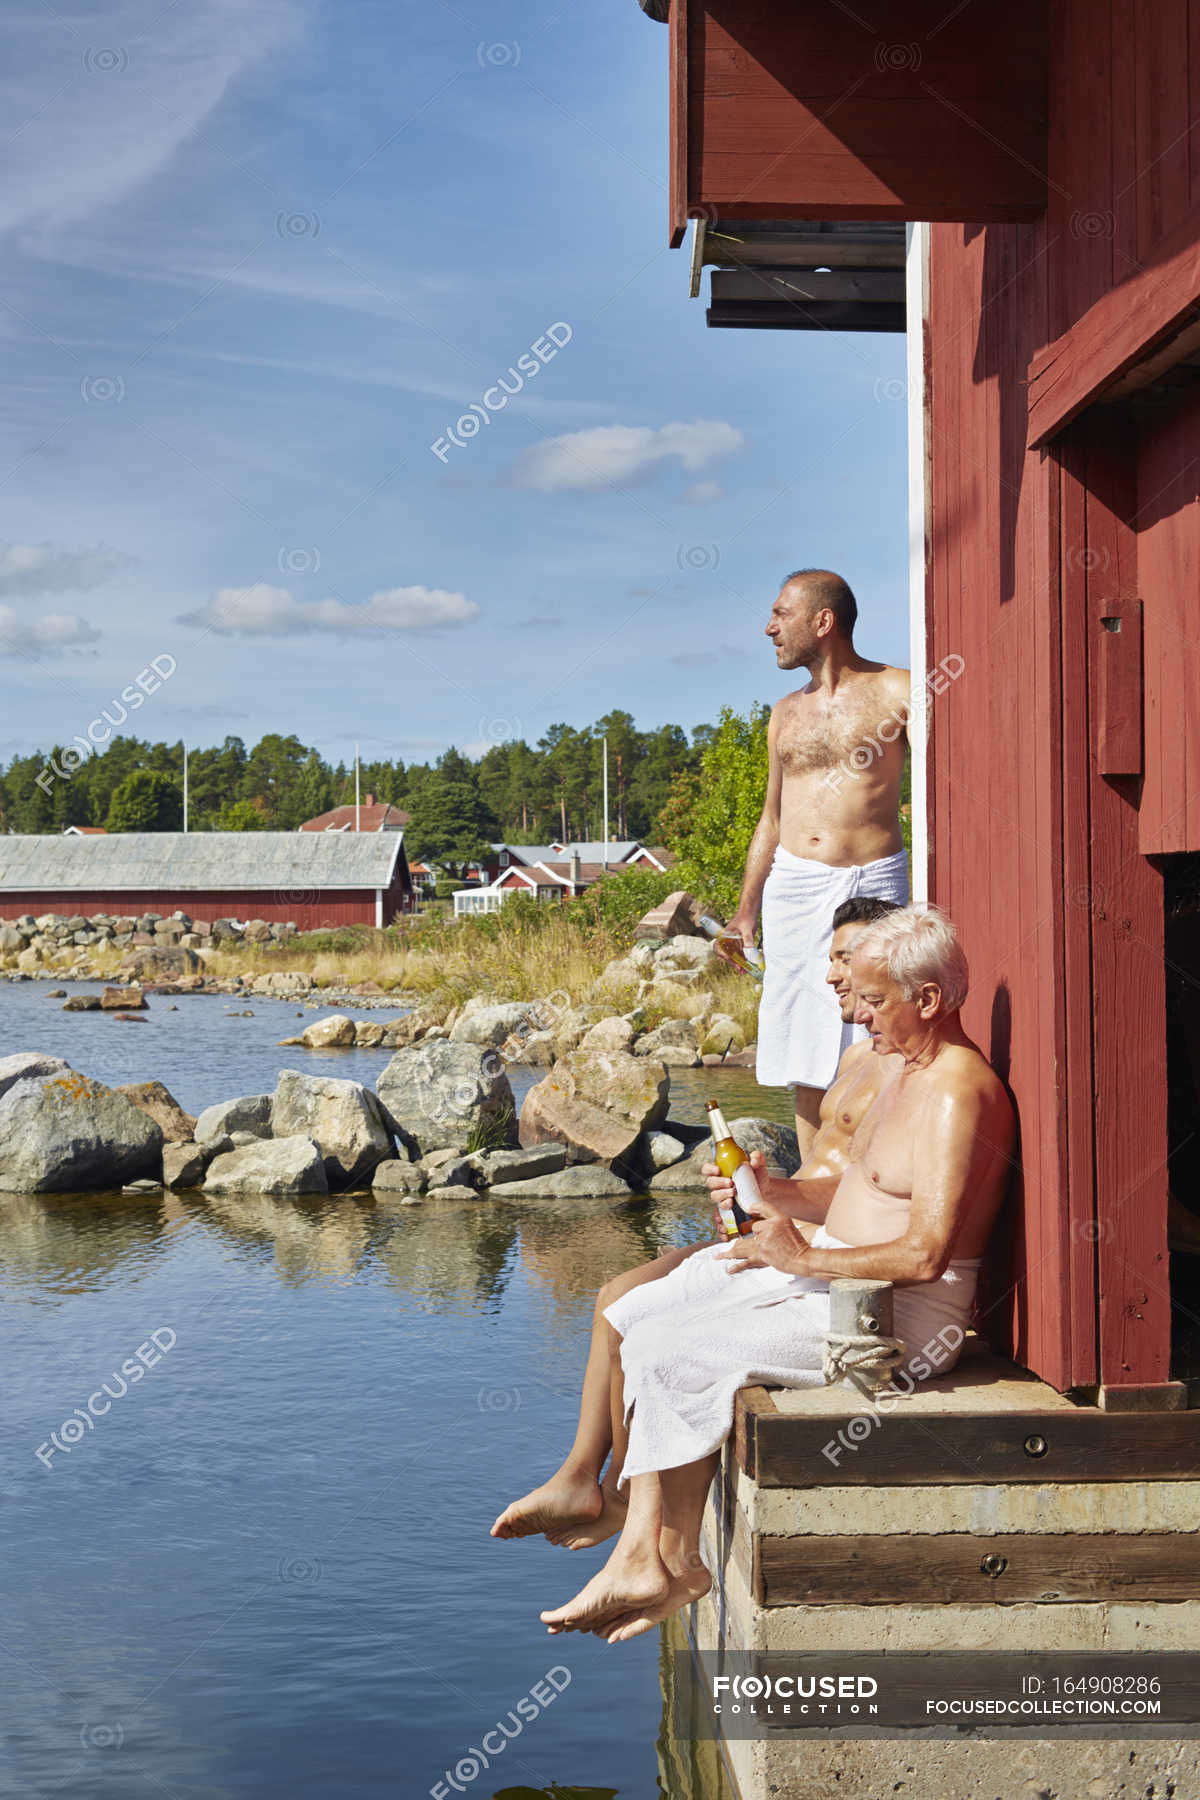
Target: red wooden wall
(308, 908)
(1039, 855)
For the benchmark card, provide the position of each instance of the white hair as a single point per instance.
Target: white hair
(917, 944)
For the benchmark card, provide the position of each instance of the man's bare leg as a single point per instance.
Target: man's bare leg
(572, 1507)
(633, 1580)
(655, 1568)
(808, 1116)
(684, 1495)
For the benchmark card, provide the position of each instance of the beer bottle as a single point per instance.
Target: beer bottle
(734, 1164)
(746, 957)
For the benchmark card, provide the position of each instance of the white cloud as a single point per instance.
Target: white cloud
(42, 636)
(609, 456)
(41, 569)
(262, 611)
(703, 493)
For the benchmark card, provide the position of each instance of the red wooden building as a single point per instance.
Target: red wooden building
(1050, 150)
(313, 879)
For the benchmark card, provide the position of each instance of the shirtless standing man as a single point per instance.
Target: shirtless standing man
(925, 1180)
(830, 827)
(578, 1509)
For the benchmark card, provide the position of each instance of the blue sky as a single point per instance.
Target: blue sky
(259, 259)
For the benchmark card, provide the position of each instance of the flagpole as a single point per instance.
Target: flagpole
(356, 807)
(606, 803)
(185, 789)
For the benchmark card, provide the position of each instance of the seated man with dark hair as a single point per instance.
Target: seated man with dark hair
(576, 1507)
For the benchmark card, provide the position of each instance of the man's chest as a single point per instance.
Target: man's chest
(817, 734)
(883, 1144)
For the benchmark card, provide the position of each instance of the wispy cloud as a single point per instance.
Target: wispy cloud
(98, 103)
(43, 636)
(607, 456)
(263, 611)
(41, 569)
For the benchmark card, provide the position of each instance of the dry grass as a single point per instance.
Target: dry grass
(454, 963)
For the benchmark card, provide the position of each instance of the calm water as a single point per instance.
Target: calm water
(266, 1569)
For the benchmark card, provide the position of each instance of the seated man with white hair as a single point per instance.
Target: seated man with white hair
(925, 1179)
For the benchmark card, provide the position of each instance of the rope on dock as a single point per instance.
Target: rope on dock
(870, 1359)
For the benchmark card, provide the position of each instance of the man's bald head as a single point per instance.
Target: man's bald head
(821, 589)
(815, 608)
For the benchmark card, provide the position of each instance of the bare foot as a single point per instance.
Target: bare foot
(682, 1591)
(607, 1523)
(564, 1503)
(614, 1592)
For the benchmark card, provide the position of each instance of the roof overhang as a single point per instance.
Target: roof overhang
(815, 275)
(810, 111)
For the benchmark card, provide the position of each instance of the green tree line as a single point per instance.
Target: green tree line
(515, 791)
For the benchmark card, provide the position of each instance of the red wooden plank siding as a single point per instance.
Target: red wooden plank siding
(793, 111)
(1168, 581)
(307, 908)
(1128, 986)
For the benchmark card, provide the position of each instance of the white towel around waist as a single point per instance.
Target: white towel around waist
(691, 1339)
(801, 1036)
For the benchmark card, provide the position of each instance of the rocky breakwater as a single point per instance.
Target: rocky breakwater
(67, 944)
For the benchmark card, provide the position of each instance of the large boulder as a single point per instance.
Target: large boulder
(722, 1034)
(344, 1117)
(250, 1115)
(581, 1181)
(159, 1104)
(608, 1035)
(283, 982)
(122, 999)
(491, 1026)
(63, 1132)
(597, 1105)
(671, 917)
(675, 1042)
(442, 1094)
(27, 1065)
(333, 1033)
(281, 1166)
(160, 959)
(398, 1177)
(498, 1168)
(777, 1143)
(682, 952)
(184, 1164)
(12, 942)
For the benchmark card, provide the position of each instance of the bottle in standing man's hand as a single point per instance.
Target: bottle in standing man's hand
(746, 957)
(734, 1164)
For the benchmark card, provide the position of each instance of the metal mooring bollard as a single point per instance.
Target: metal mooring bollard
(860, 1350)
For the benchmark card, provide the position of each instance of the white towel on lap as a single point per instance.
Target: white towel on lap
(692, 1338)
(800, 1032)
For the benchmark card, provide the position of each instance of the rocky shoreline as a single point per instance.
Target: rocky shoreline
(440, 1124)
(651, 1001)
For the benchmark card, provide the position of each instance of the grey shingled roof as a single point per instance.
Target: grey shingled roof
(200, 860)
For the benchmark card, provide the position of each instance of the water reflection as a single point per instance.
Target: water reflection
(334, 1378)
(53, 1246)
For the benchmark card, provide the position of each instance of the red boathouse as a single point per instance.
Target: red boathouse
(313, 879)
